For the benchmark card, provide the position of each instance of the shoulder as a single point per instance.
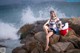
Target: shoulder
(58, 20)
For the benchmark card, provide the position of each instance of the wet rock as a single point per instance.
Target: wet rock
(62, 46)
(30, 44)
(54, 39)
(73, 51)
(71, 37)
(34, 39)
(19, 50)
(2, 46)
(35, 50)
(41, 37)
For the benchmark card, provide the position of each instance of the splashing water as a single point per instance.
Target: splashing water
(28, 15)
(8, 31)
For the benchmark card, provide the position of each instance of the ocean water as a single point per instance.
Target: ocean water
(12, 17)
(10, 45)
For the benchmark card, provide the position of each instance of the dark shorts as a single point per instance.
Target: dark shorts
(55, 32)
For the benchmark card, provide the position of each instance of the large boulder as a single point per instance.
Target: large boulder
(37, 43)
(19, 50)
(54, 39)
(34, 39)
(35, 50)
(71, 37)
(74, 23)
(73, 51)
(62, 46)
(41, 37)
(30, 44)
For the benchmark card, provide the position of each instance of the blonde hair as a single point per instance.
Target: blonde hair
(53, 12)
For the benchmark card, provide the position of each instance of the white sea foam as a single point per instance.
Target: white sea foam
(28, 15)
(8, 31)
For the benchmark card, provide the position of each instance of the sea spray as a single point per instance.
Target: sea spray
(8, 31)
(29, 16)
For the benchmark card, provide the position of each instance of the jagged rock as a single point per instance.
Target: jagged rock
(34, 39)
(37, 43)
(73, 51)
(54, 39)
(2, 46)
(35, 50)
(41, 37)
(27, 38)
(30, 44)
(34, 47)
(71, 37)
(50, 50)
(62, 46)
(19, 50)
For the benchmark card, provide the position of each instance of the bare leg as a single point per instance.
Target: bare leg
(47, 40)
(46, 29)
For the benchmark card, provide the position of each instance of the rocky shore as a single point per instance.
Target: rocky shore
(34, 40)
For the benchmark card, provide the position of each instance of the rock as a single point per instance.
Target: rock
(78, 44)
(40, 47)
(54, 39)
(19, 50)
(41, 37)
(34, 47)
(62, 46)
(71, 35)
(38, 26)
(73, 51)
(30, 44)
(35, 50)
(2, 46)
(27, 39)
(50, 50)
(34, 39)
(26, 30)
(37, 43)
(74, 24)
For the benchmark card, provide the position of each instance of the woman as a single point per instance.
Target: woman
(51, 27)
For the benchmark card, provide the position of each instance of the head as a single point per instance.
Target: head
(52, 14)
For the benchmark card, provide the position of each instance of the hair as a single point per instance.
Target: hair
(52, 12)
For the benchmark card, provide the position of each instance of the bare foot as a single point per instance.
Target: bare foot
(46, 48)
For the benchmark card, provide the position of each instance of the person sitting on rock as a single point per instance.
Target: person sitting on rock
(51, 27)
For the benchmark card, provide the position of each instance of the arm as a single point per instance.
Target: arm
(60, 25)
(46, 24)
(59, 22)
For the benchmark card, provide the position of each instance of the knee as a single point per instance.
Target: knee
(45, 27)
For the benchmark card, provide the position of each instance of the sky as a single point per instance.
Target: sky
(5, 2)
